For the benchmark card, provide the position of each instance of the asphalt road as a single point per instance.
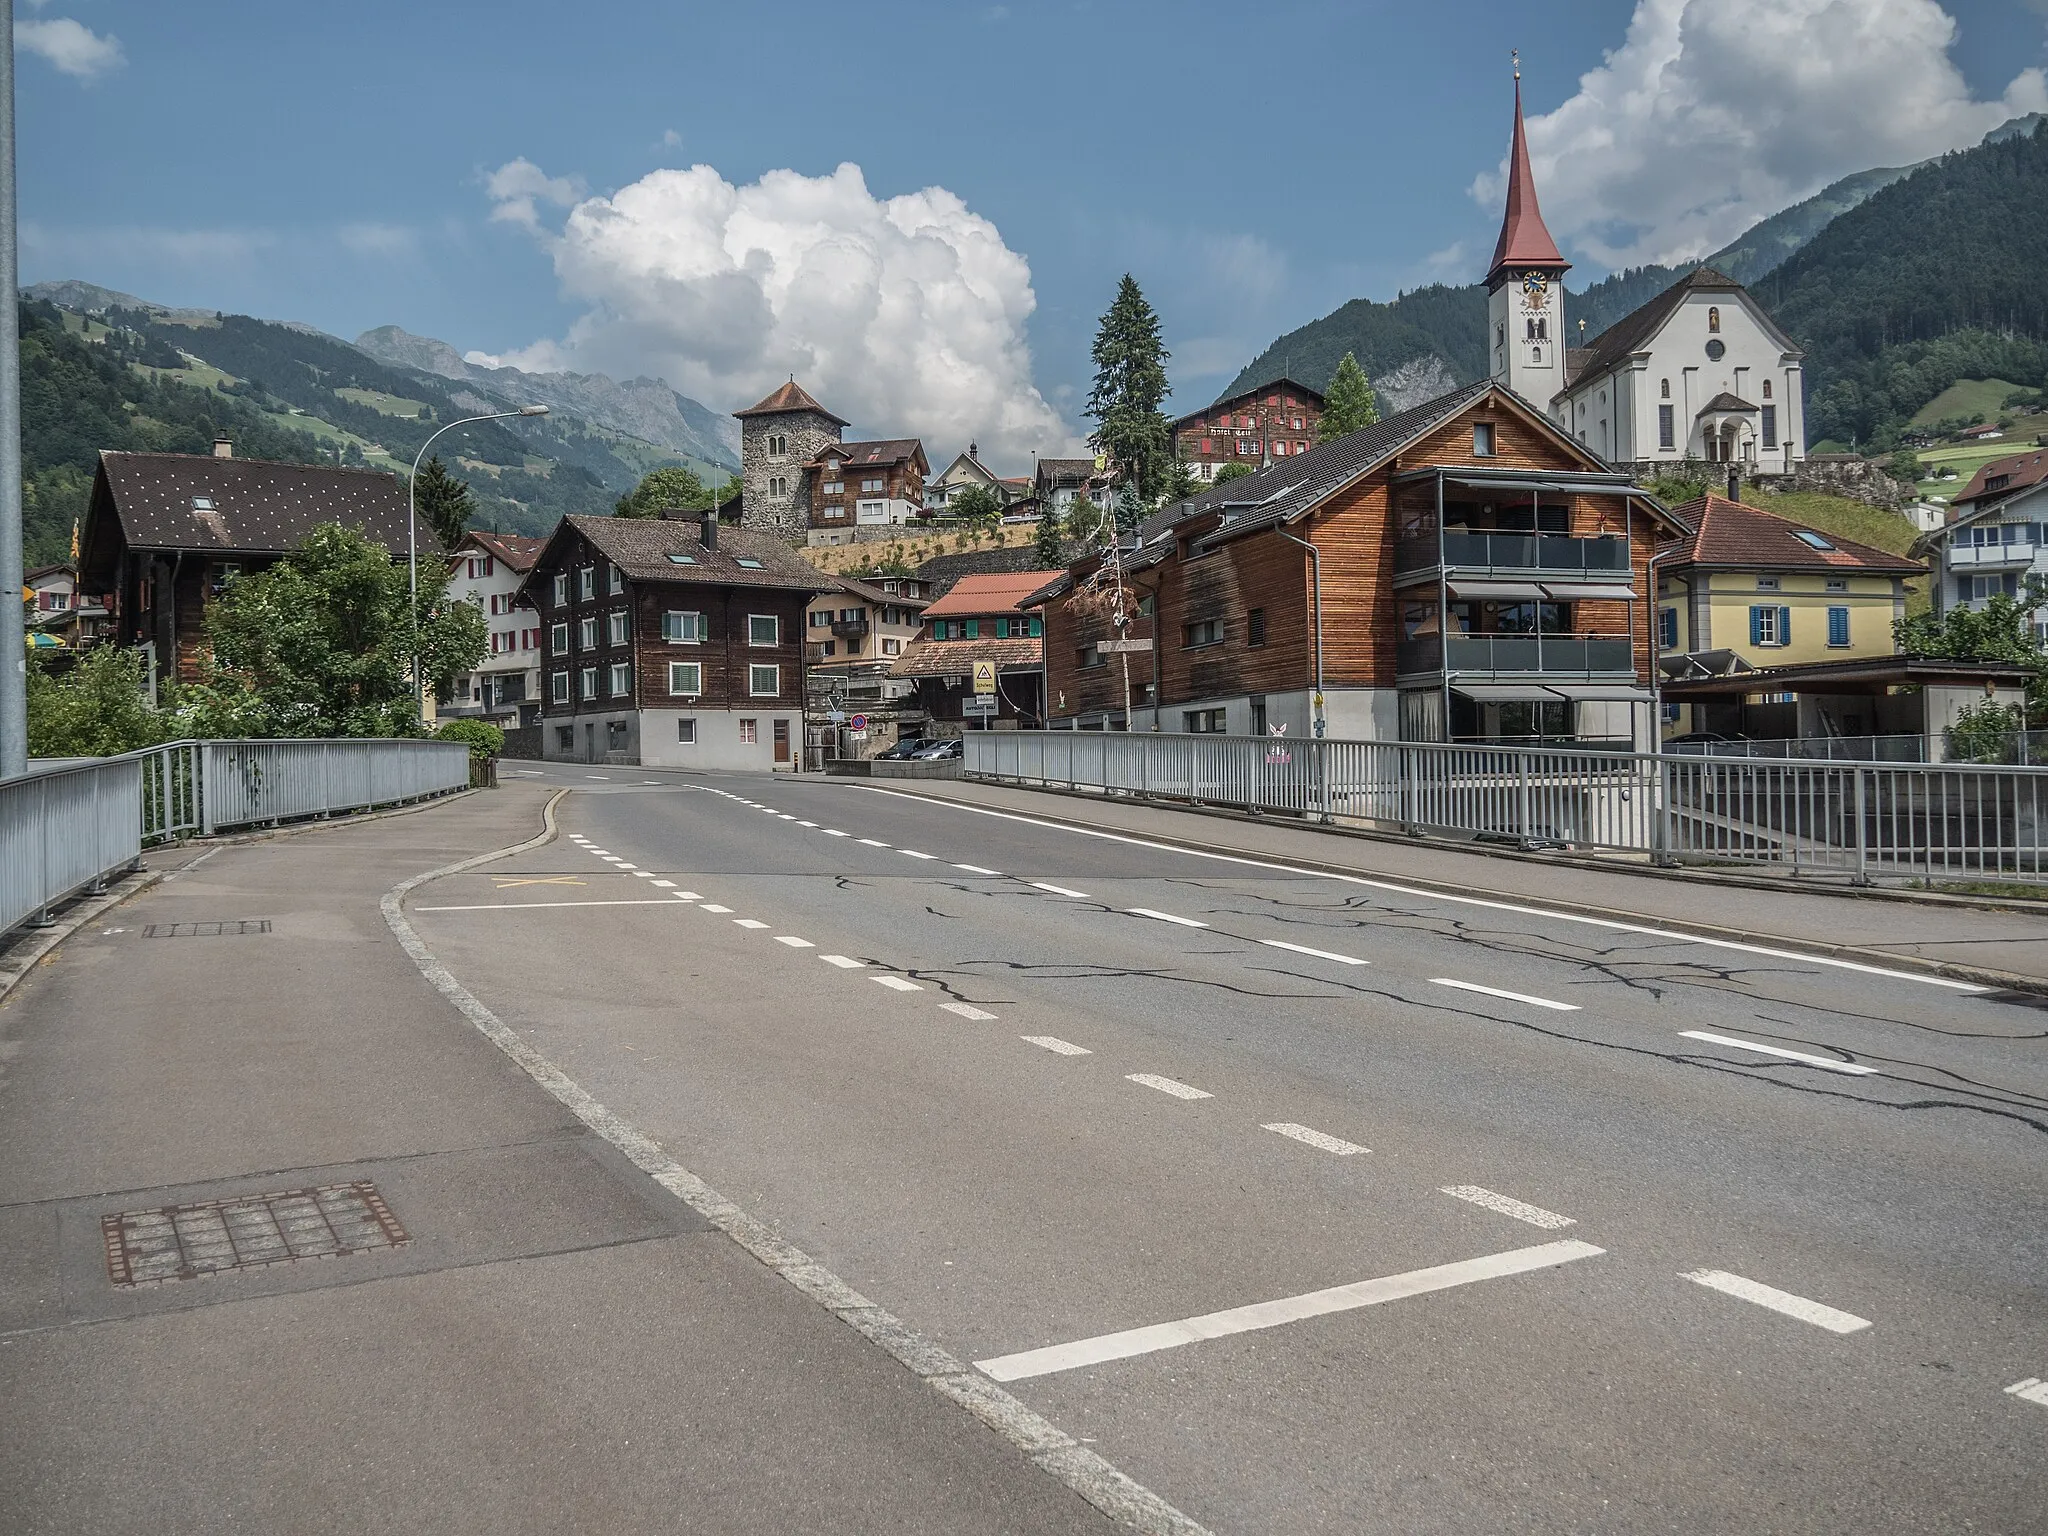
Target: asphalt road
(1311, 1203)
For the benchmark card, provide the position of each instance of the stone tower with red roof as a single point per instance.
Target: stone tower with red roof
(1525, 286)
(778, 437)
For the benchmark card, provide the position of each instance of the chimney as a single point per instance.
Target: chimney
(223, 448)
(707, 527)
(1734, 481)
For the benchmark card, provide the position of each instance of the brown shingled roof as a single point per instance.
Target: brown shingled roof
(886, 450)
(515, 551)
(790, 397)
(2020, 470)
(1727, 533)
(641, 546)
(956, 658)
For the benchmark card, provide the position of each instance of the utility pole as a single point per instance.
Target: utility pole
(13, 636)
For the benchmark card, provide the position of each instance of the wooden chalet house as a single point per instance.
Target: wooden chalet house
(165, 532)
(671, 643)
(980, 621)
(1253, 427)
(1463, 571)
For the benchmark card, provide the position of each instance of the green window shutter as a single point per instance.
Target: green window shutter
(1037, 628)
(974, 629)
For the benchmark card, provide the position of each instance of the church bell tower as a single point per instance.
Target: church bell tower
(1525, 286)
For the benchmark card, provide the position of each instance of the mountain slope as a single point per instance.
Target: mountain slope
(1450, 322)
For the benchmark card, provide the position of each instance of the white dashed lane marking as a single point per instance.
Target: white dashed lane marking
(710, 906)
(1165, 917)
(666, 885)
(747, 922)
(1318, 1139)
(869, 842)
(1317, 954)
(1272, 1314)
(1166, 1085)
(794, 942)
(897, 983)
(912, 853)
(967, 1010)
(844, 962)
(976, 869)
(1513, 997)
(834, 832)
(1507, 1205)
(1854, 1069)
(2032, 1389)
(1061, 890)
(1814, 1312)
(1055, 1044)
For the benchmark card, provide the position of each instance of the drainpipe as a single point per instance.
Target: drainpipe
(1315, 558)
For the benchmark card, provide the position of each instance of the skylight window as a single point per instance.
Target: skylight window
(682, 559)
(1811, 539)
(202, 503)
(746, 564)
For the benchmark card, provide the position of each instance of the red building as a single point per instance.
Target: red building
(1254, 427)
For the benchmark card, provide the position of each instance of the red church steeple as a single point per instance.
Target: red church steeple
(1524, 241)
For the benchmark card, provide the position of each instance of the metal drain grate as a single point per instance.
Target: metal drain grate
(206, 930)
(183, 1242)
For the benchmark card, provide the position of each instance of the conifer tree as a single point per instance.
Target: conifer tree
(1130, 385)
(443, 501)
(1046, 549)
(1349, 403)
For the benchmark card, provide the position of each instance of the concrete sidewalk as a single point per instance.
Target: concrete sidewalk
(1949, 935)
(555, 1345)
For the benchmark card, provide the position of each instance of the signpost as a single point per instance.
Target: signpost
(859, 723)
(978, 704)
(1124, 647)
(984, 677)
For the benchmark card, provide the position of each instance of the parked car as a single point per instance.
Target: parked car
(939, 751)
(909, 746)
(1705, 743)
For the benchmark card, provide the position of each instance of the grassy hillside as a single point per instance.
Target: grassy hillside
(1979, 400)
(913, 550)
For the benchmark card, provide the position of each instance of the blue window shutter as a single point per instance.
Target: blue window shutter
(1784, 626)
(1838, 626)
(1756, 626)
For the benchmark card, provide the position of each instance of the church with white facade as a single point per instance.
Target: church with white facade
(1699, 372)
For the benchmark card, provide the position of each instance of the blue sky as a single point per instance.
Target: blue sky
(1253, 166)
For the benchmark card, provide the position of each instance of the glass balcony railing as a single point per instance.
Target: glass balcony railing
(1521, 553)
(1519, 655)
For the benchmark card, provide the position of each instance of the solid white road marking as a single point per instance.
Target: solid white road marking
(844, 962)
(1271, 1314)
(1166, 1085)
(1320, 954)
(1854, 1069)
(1056, 1044)
(967, 1010)
(870, 842)
(794, 942)
(1513, 997)
(1061, 890)
(1507, 1205)
(897, 983)
(746, 922)
(1778, 1301)
(2032, 1389)
(1302, 1133)
(516, 906)
(1397, 889)
(1165, 917)
(912, 853)
(976, 869)
(713, 907)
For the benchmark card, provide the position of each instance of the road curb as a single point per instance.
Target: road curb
(1981, 975)
(22, 958)
(1043, 1444)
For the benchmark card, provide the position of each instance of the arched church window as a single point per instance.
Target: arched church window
(1543, 328)
(1664, 389)
(1767, 389)
(1714, 321)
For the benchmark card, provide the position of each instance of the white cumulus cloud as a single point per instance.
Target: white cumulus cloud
(904, 314)
(518, 187)
(73, 47)
(1713, 114)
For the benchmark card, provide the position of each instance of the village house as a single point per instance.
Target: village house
(981, 621)
(165, 532)
(1745, 587)
(1995, 542)
(671, 643)
(968, 470)
(1058, 483)
(853, 634)
(858, 487)
(1254, 427)
(489, 570)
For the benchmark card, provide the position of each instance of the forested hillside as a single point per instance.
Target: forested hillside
(1941, 276)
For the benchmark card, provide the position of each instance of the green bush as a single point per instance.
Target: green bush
(485, 740)
(1986, 733)
(91, 703)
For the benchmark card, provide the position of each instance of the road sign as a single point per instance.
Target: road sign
(984, 677)
(860, 735)
(979, 704)
(859, 724)
(1123, 647)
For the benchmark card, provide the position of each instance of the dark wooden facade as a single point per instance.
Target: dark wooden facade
(1252, 427)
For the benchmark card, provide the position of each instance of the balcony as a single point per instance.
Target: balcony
(1991, 557)
(1517, 554)
(850, 629)
(1558, 656)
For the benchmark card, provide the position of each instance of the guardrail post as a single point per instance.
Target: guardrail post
(1664, 784)
(1522, 795)
(1862, 829)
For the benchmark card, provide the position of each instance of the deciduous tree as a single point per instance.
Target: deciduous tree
(670, 488)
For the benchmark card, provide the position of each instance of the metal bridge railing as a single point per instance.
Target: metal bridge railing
(1860, 820)
(69, 827)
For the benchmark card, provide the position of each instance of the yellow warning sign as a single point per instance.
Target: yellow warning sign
(984, 677)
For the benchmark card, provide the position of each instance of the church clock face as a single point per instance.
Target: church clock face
(1535, 290)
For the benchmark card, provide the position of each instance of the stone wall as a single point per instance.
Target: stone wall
(1843, 474)
(789, 514)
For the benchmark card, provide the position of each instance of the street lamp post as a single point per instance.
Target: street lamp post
(412, 540)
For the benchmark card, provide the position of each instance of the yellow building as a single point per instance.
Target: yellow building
(1769, 592)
